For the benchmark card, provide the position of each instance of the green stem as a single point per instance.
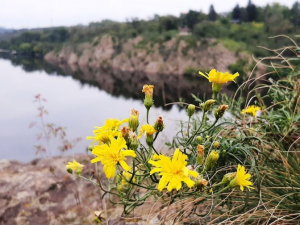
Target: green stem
(215, 95)
(188, 128)
(155, 136)
(148, 115)
(192, 137)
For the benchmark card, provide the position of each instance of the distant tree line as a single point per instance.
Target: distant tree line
(240, 30)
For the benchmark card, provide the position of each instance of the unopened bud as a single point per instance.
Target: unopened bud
(191, 110)
(220, 111)
(125, 132)
(90, 148)
(70, 171)
(228, 177)
(133, 120)
(159, 124)
(128, 177)
(216, 144)
(149, 140)
(200, 154)
(134, 145)
(148, 90)
(211, 160)
(198, 139)
(207, 105)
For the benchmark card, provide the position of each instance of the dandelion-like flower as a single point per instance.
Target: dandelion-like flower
(241, 179)
(75, 166)
(112, 154)
(146, 129)
(218, 79)
(109, 129)
(252, 110)
(173, 171)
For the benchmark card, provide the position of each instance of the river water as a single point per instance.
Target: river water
(78, 101)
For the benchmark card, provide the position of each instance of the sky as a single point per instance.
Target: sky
(18, 14)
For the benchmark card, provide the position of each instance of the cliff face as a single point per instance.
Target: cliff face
(173, 56)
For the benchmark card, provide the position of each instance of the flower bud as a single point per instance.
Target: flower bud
(216, 144)
(198, 139)
(149, 140)
(159, 124)
(211, 160)
(134, 145)
(200, 154)
(133, 120)
(125, 132)
(207, 105)
(70, 171)
(228, 178)
(148, 90)
(128, 177)
(191, 110)
(220, 111)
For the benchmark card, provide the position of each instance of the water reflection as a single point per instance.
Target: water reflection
(168, 87)
(79, 99)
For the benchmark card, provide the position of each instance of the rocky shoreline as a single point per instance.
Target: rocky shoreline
(42, 192)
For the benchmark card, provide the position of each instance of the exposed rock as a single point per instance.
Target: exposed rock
(171, 57)
(42, 192)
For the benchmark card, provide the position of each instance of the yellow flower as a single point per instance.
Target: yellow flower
(109, 129)
(241, 179)
(112, 154)
(218, 78)
(147, 129)
(148, 90)
(173, 171)
(252, 109)
(74, 166)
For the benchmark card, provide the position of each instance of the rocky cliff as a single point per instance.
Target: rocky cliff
(174, 56)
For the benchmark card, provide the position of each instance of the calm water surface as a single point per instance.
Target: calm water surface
(70, 103)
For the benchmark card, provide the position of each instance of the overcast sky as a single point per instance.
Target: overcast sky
(45, 13)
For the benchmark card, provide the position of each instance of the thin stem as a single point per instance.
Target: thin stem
(188, 128)
(148, 115)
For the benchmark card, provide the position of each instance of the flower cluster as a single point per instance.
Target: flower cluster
(137, 171)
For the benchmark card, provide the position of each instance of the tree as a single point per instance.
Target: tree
(168, 23)
(251, 12)
(190, 19)
(295, 14)
(244, 14)
(236, 13)
(212, 15)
